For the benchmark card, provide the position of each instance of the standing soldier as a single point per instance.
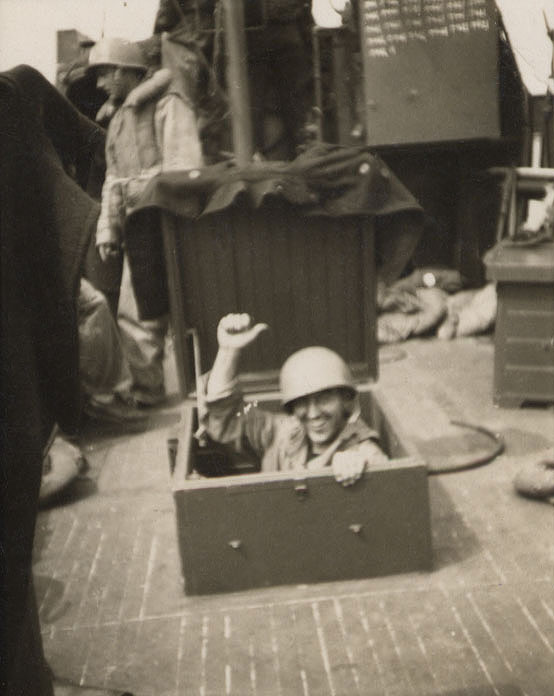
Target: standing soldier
(154, 129)
(279, 64)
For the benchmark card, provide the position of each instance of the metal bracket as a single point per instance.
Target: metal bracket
(200, 433)
(172, 449)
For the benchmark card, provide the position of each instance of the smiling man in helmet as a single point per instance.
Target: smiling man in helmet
(321, 425)
(153, 129)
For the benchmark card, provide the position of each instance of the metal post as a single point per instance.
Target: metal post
(318, 113)
(237, 80)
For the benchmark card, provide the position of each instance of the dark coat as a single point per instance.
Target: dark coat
(46, 223)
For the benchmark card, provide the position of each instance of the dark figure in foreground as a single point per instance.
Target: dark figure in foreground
(46, 223)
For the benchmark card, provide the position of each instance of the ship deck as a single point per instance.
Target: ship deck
(481, 623)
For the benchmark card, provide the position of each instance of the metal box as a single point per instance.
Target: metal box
(430, 70)
(259, 529)
(524, 336)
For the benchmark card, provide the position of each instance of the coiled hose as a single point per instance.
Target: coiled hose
(461, 462)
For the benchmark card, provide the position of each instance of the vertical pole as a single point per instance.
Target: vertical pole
(342, 78)
(237, 80)
(316, 49)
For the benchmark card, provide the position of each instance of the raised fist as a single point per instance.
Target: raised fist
(236, 331)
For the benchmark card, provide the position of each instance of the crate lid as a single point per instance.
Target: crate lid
(511, 263)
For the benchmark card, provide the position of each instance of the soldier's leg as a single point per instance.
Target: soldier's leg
(143, 346)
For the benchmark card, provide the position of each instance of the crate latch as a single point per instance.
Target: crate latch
(301, 489)
(355, 528)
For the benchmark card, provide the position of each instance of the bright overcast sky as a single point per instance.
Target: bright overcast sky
(28, 30)
(28, 27)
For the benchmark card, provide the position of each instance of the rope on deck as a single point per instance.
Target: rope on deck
(460, 462)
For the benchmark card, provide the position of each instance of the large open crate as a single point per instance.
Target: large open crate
(313, 281)
(292, 244)
(239, 530)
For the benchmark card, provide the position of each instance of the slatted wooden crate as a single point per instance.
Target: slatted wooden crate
(312, 279)
(524, 336)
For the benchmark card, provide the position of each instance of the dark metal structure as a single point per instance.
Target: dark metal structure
(430, 71)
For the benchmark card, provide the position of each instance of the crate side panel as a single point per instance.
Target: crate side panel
(269, 534)
(308, 278)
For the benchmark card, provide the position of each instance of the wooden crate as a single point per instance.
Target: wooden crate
(524, 336)
(260, 529)
(312, 279)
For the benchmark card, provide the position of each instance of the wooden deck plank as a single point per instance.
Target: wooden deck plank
(368, 670)
(313, 659)
(153, 661)
(522, 645)
(78, 575)
(67, 653)
(290, 674)
(386, 650)
(216, 672)
(432, 623)
(238, 656)
(119, 671)
(98, 665)
(336, 652)
(255, 632)
(192, 654)
(405, 623)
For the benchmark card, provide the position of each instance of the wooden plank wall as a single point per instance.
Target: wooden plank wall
(311, 279)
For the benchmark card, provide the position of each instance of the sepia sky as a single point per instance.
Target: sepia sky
(28, 27)
(28, 30)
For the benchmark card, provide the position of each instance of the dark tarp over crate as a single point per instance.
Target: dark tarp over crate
(289, 242)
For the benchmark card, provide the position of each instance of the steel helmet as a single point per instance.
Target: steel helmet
(119, 52)
(311, 370)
